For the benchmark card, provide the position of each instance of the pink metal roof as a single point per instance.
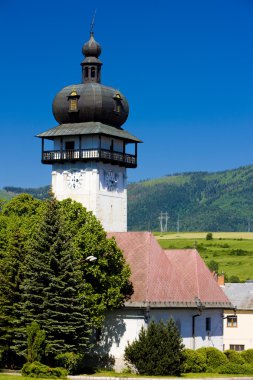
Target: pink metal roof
(171, 277)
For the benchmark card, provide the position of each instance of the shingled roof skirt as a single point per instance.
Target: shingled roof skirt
(87, 128)
(178, 304)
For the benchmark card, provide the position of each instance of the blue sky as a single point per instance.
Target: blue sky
(185, 66)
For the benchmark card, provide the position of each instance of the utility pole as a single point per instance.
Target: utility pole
(249, 226)
(163, 221)
(178, 224)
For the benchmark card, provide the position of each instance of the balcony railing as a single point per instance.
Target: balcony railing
(124, 159)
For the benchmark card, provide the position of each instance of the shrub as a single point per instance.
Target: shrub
(213, 266)
(209, 236)
(234, 279)
(35, 342)
(234, 357)
(247, 355)
(70, 361)
(235, 368)
(239, 252)
(157, 351)
(214, 357)
(194, 361)
(36, 369)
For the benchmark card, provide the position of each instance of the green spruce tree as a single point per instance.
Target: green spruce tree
(52, 288)
(11, 268)
(17, 220)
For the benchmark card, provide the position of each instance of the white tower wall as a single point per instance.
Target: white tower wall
(100, 187)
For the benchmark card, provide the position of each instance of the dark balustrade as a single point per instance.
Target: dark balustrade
(53, 156)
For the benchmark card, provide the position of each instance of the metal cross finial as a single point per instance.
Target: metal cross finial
(93, 23)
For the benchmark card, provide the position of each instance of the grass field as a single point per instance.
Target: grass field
(202, 235)
(128, 375)
(233, 251)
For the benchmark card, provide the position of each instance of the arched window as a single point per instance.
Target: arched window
(86, 72)
(93, 72)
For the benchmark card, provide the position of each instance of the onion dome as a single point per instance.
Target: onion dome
(91, 48)
(90, 100)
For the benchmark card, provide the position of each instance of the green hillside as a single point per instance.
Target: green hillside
(202, 201)
(39, 192)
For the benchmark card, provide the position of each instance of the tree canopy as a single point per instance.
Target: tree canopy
(48, 279)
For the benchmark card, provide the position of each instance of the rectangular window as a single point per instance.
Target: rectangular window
(236, 347)
(232, 321)
(208, 324)
(70, 145)
(73, 105)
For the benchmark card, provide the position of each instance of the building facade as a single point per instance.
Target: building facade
(238, 326)
(167, 284)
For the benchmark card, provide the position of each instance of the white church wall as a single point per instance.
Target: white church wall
(123, 326)
(184, 318)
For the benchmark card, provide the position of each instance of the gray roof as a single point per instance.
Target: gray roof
(87, 128)
(240, 295)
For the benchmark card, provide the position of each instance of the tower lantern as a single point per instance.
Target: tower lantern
(90, 153)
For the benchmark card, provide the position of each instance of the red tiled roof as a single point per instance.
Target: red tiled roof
(167, 276)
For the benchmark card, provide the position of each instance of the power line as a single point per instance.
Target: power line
(163, 221)
(178, 225)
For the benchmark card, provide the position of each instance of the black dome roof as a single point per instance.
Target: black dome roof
(95, 103)
(90, 101)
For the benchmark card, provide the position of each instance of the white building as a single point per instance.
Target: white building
(238, 327)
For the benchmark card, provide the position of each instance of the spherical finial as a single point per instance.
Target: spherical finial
(91, 48)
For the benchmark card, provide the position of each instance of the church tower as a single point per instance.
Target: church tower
(90, 152)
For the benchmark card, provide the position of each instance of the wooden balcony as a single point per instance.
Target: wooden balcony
(116, 158)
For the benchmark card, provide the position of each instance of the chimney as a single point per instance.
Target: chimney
(221, 279)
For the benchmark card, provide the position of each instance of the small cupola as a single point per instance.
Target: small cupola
(91, 65)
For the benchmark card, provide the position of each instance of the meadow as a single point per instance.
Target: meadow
(232, 251)
(111, 374)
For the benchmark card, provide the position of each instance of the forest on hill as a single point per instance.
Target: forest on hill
(197, 201)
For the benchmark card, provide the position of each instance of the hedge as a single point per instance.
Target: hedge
(234, 356)
(194, 361)
(235, 369)
(247, 355)
(214, 357)
(36, 369)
